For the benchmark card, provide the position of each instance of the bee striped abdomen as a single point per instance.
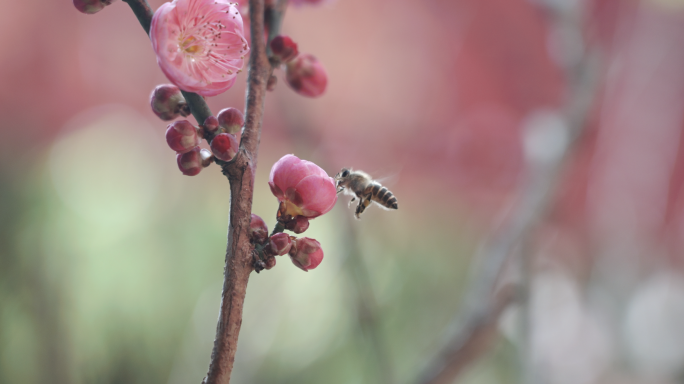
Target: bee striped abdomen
(382, 195)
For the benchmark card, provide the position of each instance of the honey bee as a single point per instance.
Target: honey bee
(365, 188)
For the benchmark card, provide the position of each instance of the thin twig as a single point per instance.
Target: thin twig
(240, 172)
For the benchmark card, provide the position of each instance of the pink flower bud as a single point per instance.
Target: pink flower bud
(298, 225)
(231, 119)
(306, 253)
(302, 187)
(200, 44)
(190, 163)
(258, 229)
(168, 102)
(270, 263)
(224, 146)
(280, 243)
(182, 136)
(91, 6)
(211, 124)
(306, 76)
(284, 48)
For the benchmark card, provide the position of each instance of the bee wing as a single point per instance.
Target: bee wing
(388, 180)
(385, 177)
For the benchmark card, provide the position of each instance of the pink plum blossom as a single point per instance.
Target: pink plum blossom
(303, 187)
(200, 44)
(306, 253)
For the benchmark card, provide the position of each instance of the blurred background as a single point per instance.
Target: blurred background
(111, 261)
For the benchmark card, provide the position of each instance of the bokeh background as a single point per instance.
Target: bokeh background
(111, 261)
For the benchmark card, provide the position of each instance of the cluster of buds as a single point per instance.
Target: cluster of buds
(168, 103)
(305, 253)
(304, 191)
(304, 73)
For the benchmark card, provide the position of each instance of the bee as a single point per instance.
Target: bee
(365, 188)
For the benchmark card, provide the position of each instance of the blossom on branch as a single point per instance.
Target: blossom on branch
(302, 187)
(200, 44)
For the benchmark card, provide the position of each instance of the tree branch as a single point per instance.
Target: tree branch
(240, 172)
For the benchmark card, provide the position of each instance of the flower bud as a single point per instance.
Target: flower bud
(190, 163)
(280, 243)
(224, 146)
(302, 187)
(258, 229)
(306, 253)
(231, 119)
(284, 48)
(270, 263)
(211, 124)
(167, 102)
(182, 136)
(298, 225)
(306, 76)
(91, 6)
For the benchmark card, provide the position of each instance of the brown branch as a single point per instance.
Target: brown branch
(474, 339)
(240, 172)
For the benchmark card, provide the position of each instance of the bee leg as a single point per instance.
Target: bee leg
(351, 201)
(363, 204)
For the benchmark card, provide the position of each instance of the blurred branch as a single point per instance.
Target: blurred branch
(474, 339)
(535, 195)
(240, 172)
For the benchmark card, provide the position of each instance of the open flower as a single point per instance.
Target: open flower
(302, 186)
(200, 44)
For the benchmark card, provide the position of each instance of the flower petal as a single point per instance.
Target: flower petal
(318, 193)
